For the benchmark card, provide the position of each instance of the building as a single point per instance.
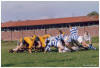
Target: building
(13, 30)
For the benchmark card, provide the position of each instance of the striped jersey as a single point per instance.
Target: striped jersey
(74, 31)
(73, 34)
(52, 42)
(60, 37)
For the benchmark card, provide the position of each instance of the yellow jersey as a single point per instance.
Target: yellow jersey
(43, 38)
(29, 40)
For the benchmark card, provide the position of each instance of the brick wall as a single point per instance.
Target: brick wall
(93, 30)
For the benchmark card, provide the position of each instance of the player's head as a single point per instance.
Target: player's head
(86, 32)
(60, 32)
(71, 25)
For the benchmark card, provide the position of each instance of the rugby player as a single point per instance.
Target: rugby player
(28, 42)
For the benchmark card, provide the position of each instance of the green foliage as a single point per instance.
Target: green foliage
(94, 13)
(51, 59)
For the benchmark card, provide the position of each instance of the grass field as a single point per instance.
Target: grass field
(51, 59)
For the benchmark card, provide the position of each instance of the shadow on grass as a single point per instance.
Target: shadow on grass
(7, 65)
(11, 65)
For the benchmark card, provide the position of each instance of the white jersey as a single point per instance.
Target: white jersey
(87, 37)
(80, 39)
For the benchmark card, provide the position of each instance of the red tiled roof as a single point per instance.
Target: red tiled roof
(51, 21)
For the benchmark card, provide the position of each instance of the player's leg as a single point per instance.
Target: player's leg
(69, 45)
(39, 44)
(18, 46)
(60, 47)
(88, 45)
(68, 42)
(84, 44)
(91, 46)
(66, 49)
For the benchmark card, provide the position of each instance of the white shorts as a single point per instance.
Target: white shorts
(59, 43)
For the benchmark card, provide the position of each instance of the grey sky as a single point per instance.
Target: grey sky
(13, 11)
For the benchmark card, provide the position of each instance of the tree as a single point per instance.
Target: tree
(94, 13)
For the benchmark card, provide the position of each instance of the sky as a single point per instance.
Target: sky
(35, 10)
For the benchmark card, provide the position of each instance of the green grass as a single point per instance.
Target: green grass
(95, 39)
(51, 59)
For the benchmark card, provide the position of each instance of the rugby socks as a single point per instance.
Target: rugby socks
(91, 47)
